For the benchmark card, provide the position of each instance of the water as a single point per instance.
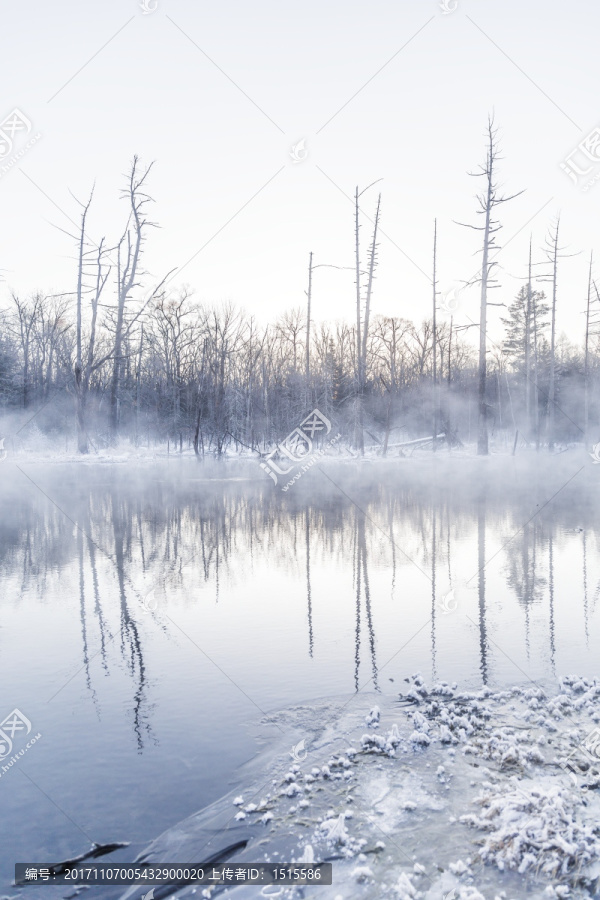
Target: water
(261, 600)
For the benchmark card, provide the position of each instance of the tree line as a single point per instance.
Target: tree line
(118, 357)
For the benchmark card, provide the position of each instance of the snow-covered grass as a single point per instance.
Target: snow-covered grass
(442, 793)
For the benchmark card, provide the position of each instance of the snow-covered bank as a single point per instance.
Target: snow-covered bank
(465, 795)
(442, 791)
(33, 445)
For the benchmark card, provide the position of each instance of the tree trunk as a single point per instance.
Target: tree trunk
(552, 377)
(80, 383)
(308, 310)
(360, 440)
(586, 369)
(528, 346)
(435, 399)
(482, 435)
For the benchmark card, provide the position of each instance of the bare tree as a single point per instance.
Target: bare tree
(488, 201)
(362, 326)
(586, 363)
(592, 324)
(308, 312)
(51, 329)
(434, 338)
(553, 253)
(391, 362)
(371, 276)
(129, 249)
(87, 363)
(27, 313)
(80, 392)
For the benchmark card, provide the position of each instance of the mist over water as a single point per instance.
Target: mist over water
(151, 616)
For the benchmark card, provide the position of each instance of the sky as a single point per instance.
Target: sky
(262, 118)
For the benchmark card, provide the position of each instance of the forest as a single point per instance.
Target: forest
(115, 358)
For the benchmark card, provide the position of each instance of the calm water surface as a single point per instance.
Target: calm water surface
(476, 571)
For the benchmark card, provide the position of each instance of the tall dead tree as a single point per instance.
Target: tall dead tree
(592, 329)
(450, 330)
(371, 275)
(129, 251)
(82, 440)
(528, 311)
(525, 324)
(308, 311)
(553, 257)
(85, 360)
(363, 323)
(536, 373)
(91, 361)
(488, 201)
(138, 385)
(434, 338)
(586, 359)
(552, 253)
(359, 420)
(93, 272)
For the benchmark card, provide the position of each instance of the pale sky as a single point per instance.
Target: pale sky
(217, 94)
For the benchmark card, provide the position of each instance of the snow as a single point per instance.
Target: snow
(468, 789)
(485, 809)
(373, 717)
(335, 829)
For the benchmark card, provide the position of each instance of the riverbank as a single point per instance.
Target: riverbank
(442, 793)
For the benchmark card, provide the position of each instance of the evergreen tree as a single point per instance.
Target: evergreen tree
(520, 331)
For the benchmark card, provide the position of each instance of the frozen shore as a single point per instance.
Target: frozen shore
(37, 447)
(472, 795)
(440, 794)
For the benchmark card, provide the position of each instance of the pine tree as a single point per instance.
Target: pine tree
(527, 350)
(519, 331)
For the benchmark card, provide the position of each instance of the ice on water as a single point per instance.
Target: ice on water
(440, 793)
